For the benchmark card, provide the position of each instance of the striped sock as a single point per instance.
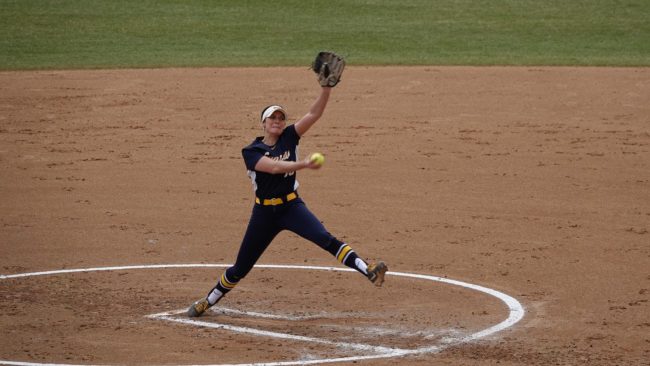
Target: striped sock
(214, 296)
(361, 266)
(224, 286)
(349, 257)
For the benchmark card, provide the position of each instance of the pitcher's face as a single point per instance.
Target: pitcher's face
(275, 123)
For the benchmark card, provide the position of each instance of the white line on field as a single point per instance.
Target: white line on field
(516, 313)
(266, 333)
(252, 314)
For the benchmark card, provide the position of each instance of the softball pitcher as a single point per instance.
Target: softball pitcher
(272, 162)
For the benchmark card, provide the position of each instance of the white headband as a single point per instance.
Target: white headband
(266, 113)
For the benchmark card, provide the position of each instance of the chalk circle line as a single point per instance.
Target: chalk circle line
(515, 314)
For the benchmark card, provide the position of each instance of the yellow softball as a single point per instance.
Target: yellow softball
(317, 158)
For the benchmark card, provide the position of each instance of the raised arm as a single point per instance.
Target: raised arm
(315, 112)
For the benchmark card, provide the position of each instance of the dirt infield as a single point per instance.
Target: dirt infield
(531, 181)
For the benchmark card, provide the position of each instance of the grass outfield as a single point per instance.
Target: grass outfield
(47, 34)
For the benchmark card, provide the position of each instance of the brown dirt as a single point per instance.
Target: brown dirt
(531, 181)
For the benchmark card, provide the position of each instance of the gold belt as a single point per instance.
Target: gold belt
(276, 201)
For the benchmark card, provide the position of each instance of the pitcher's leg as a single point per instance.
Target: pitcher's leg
(252, 247)
(304, 223)
(259, 234)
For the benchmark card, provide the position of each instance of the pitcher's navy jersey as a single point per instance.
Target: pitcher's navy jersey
(268, 185)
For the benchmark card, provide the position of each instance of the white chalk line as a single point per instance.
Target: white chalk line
(516, 313)
(266, 333)
(254, 314)
(169, 316)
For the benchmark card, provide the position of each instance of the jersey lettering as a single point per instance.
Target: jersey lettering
(284, 157)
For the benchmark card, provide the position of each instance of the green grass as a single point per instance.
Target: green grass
(48, 34)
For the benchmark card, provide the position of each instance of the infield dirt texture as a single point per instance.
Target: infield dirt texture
(527, 180)
(532, 181)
